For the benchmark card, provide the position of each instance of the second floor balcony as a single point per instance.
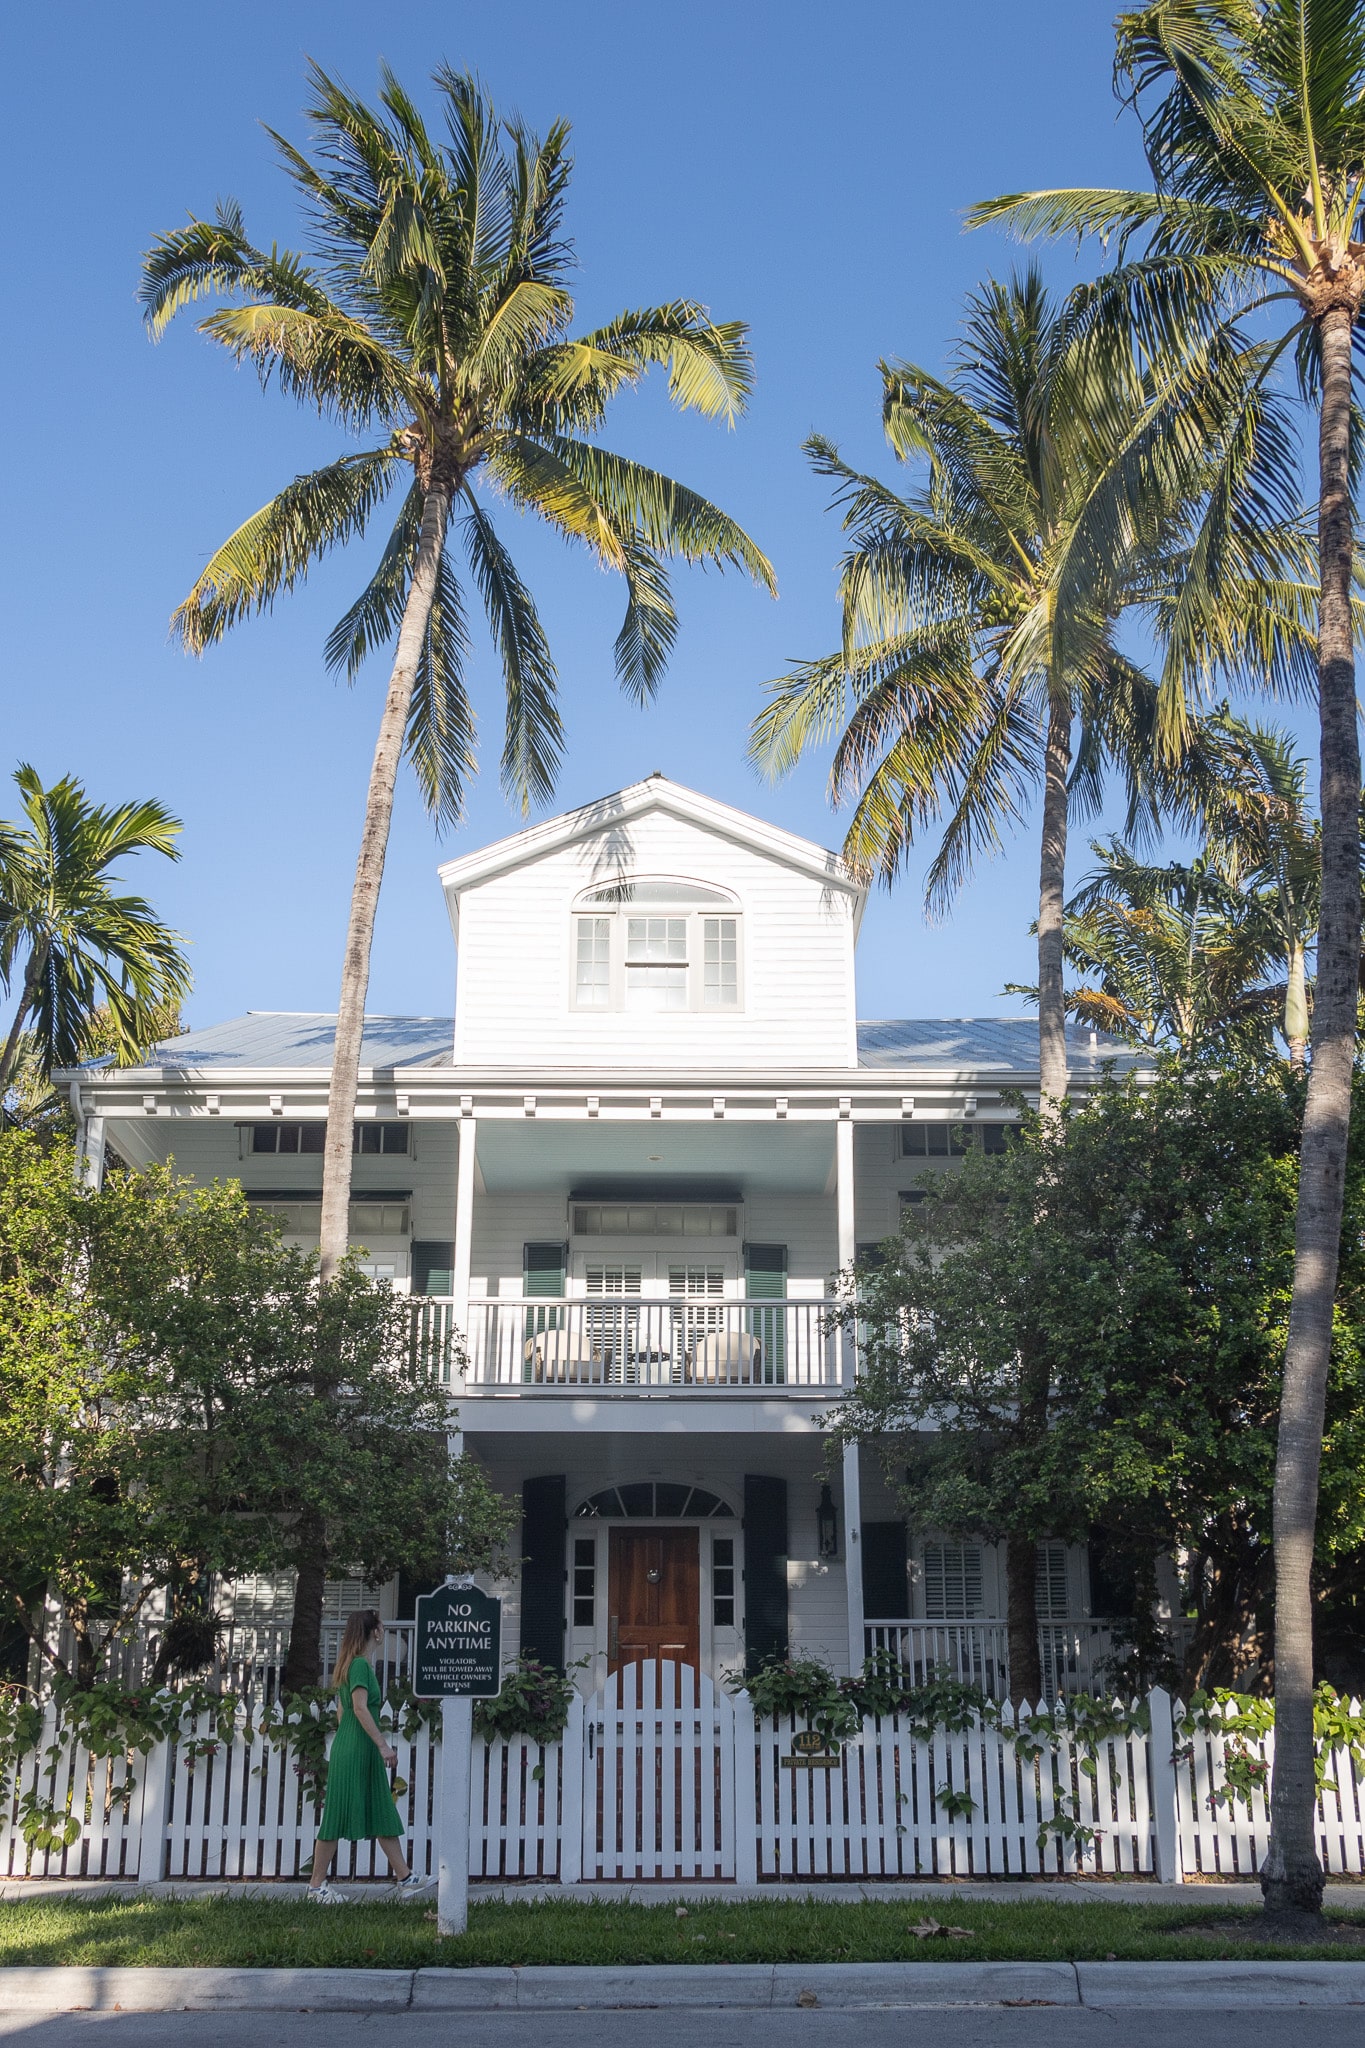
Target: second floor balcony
(623, 1344)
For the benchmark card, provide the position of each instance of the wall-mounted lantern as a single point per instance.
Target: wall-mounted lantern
(827, 1525)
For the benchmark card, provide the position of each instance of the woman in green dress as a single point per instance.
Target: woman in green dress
(359, 1805)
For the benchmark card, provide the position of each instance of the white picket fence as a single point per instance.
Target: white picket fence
(659, 1779)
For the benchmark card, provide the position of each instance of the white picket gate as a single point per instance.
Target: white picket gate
(659, 1786)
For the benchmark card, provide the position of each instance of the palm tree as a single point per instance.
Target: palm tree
(87, 950)
(1175, 958)
(981, 614)
(1179, 956)
(1253, 115)
(1266, 840)
(980, 653)
(435, 320)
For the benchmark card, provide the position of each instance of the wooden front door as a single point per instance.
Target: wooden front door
(654, 1582)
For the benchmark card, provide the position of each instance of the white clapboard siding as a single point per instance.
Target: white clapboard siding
(513, 990)
(1222, 1840)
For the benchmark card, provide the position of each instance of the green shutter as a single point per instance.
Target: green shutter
(433, 1266)
(544, 1544)
(543, 1267)
(544, 1271)
(886, 1580)
(765, 1279)
(765, 1569)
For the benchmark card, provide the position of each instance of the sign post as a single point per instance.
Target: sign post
(457, 1658)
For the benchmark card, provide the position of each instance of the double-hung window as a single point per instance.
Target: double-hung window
(656, 946)
(656, 963)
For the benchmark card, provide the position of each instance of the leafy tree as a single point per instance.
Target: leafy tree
(1086, 1331)
(981, 653)
(84, 947)
(436, 316)
(163, 1413)
(1253, 118)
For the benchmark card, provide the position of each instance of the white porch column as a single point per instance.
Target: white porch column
(89, 1162)
(843, 1217)
(468, 1133)
(90, 1159)
(853, 1499)
(853, 1557)
(468, 1130)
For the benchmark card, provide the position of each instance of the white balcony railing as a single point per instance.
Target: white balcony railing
(617, 1341)
(1075, 1655)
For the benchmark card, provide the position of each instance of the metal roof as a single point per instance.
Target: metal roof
(975, 1042)
(286, 1039)
(305, 1038)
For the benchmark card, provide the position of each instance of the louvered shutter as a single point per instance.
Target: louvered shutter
(765, 1569)
(543, 1565)
(1050, 1582)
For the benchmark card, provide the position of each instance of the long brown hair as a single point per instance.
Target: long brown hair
(359, 1628)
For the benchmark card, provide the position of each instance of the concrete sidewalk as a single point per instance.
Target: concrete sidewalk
(1057, 1891)
(699, 1986)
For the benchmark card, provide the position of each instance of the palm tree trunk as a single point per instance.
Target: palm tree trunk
(33, 974)
(1291, 1877)
(1051, 898)
(1296, 1008)
(369, 873)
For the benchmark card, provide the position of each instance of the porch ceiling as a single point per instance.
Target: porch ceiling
(768, 1158)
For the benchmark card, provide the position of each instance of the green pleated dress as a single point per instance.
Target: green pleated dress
(359, 1804)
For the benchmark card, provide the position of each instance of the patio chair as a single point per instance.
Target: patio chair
(726, 1358)
(561, 1357)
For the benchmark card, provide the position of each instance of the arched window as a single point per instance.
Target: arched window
(653, 1499)
(656, 943)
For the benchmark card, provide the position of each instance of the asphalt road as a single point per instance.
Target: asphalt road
(924, 2027)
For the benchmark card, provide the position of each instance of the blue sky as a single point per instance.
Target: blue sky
(803, 167)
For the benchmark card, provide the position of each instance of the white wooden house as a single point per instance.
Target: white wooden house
(628, 1172)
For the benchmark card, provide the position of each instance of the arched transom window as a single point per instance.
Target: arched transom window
(653, 1500)
(656, 943)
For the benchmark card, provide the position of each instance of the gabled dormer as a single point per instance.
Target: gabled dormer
(657, 930)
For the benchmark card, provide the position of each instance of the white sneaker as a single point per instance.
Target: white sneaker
(409, 1886)
(325, 1894)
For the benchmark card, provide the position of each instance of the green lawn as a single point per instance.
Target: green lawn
(265, 1932)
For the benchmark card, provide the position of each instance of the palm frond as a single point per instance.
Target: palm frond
(534, 736)
(441, 728)
(276, 547)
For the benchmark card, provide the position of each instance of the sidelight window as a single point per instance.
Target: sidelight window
(723, 1582)
(584, 1582)
(592, 978)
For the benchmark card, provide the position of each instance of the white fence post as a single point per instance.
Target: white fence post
(1161, 1767)
(746, 1808)
(572, 1763)
(452, 1863)
(156, 1787)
